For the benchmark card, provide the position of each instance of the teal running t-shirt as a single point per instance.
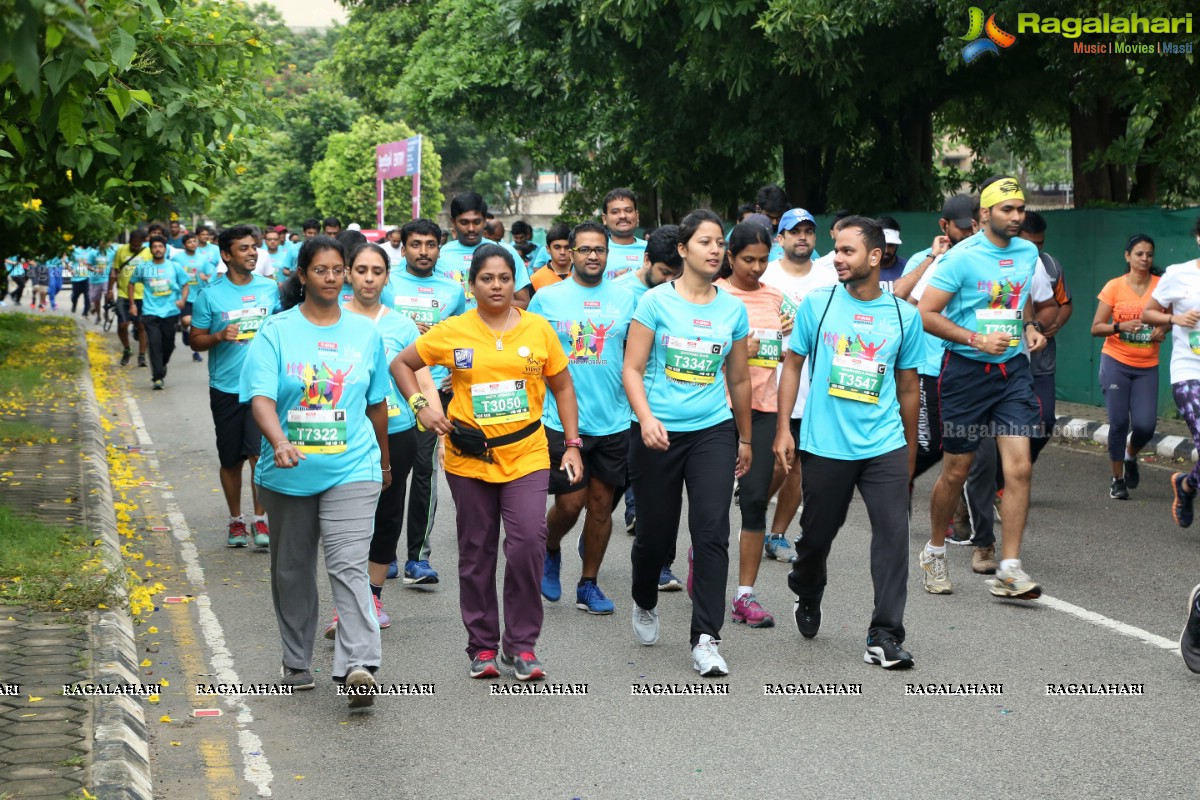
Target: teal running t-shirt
(454, 262)
(624, 258)
(163, 287)
(223, 304)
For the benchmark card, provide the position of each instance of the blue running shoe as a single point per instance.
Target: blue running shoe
(419, 573)
(589, 598)
(394, 569)
(551, 587)
(667, 582)
(779, 548)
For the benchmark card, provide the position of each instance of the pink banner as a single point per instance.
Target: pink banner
(398, 160)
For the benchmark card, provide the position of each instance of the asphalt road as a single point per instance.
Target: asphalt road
(1124, 560)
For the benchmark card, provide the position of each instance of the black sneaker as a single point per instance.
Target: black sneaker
(808, 616)
(1189, 640)
(1119, 489)
(1132, 476)
(158, 385)
(887, 653)
(141, 360)
(296, 678)
(125, 356)
(1185, 495)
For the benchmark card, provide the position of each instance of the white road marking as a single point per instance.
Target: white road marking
(1113, 625)
(255, 768)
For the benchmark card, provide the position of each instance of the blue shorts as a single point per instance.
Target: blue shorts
(981, 399)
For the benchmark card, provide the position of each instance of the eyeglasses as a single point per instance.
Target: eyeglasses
(321, 272)
(587, 251)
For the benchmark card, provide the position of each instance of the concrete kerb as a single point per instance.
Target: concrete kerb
(120, 746)
(1162, 445)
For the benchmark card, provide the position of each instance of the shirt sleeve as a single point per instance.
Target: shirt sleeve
(1108, 295)
(940, 275)
(1166, 292)
(647, 311)
(912, 354)
(1040, 289)
(535, 305)
(741, 325)
(379, 387)
(181, 275)
(434, 346)
(458, 305)
(273, 304)
(260, 371)
(800, 341)
(202, 316)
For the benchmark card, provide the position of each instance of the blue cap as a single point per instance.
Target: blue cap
(793, 217)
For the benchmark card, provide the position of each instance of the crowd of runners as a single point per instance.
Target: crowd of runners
(727, 365)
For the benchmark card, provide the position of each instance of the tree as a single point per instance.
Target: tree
(344, 180)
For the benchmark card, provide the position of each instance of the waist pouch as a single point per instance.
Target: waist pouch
(471, 441)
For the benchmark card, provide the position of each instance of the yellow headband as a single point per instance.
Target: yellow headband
(1000, 191)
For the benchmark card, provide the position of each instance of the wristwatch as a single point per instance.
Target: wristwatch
(1040, 327)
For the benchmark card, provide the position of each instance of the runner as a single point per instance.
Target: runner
(166, 295)
(54, 269)
(129, 300)
(192, 262)
(80, 258)
(428, 299)
(984, 287)
(749, 246)
(1176, 302)
(1129, 363)
(316, 379)
(558, 264)
(394, 247)
(501, 361)
(660, 263)
(207, 248)
(282, 256)
(796, 275)
(892, 266)
(369, 268)
(620, 217)
(99, 264)
(467, 212)
(226, 318)
(20, 276)
(591, 317)
(332, 226)
(863, 344)
(682, 334)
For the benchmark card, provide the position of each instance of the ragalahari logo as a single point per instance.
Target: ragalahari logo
(996, 37)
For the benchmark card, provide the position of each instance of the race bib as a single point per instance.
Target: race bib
(1008, 320)
(160, 287)
(790, 306)
(693, 360)
(1194, 341)
(1141, 338)
(770, 348)
(317, 430)
(67, 273)
(498, 403)
(423, 310)
(856, 378)
(248, 320)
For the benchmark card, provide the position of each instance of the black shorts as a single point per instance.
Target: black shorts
(187, 309)
(238, 437)
(981, 399)
(123, 309)
(605, 458)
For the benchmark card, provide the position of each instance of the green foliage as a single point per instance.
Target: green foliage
(344, 180)
(275, 190)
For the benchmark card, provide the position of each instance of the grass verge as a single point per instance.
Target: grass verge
(50, 568)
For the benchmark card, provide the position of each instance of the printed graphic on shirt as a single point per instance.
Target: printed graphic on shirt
(318, 425)
(587, 339)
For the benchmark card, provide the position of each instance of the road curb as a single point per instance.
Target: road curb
(1162, 445)
(120, 747)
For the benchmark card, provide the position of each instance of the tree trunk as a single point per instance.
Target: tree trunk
(806, 175)
(912, 184)
(1093, 130)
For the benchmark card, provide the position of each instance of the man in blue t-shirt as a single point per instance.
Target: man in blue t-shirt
(192, 262)
(980, 301)
(862, 347)
(591, 317)
(163, 299)
(467, 216)
(620, 217)
(226, 319)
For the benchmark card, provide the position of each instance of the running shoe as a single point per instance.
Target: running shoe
(1189, 640)
(394, 569)
(296, 678)
(777, 546)
(361, 680)
(484, 665)
(887, 653)
(589, 598)
(645, 625)
(983, 560)
(749, 612)
(238, 536)
(125, 356)
(384, 620)
(937, 576)
(1118, 490)
(631, 525)
(419, 573)
(1133, 476)
(197, 357)
(158, 385)
(262, 537)
(525, 665)
(957, 535)
(1015, 582)
(707, 660)
(551, 586)
(331, 628)
(142, 360)
(667, 582)
(1181, 508)
(808, 616)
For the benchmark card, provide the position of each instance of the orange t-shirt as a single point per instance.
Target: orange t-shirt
(497, 391)
(764, 307)
(1131, 349)
(546, 276)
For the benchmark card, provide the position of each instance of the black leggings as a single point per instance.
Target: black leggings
(389, 514)
(755, 485)
(79, 289)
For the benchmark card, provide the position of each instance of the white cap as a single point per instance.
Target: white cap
(354, 226)
(891, 236)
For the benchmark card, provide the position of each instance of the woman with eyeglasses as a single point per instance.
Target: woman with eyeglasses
(1129, 363)
(501, 361)
(686, 349)
(368, 275)
(317, 381)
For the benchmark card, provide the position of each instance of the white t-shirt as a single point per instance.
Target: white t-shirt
(1179, 290)
(394, 254)
(795, 290)
(264, 266)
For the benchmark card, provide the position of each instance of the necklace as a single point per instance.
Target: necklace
(499, 336)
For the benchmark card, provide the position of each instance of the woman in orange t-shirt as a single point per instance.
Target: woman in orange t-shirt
(1129, 363)
(501, 360)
